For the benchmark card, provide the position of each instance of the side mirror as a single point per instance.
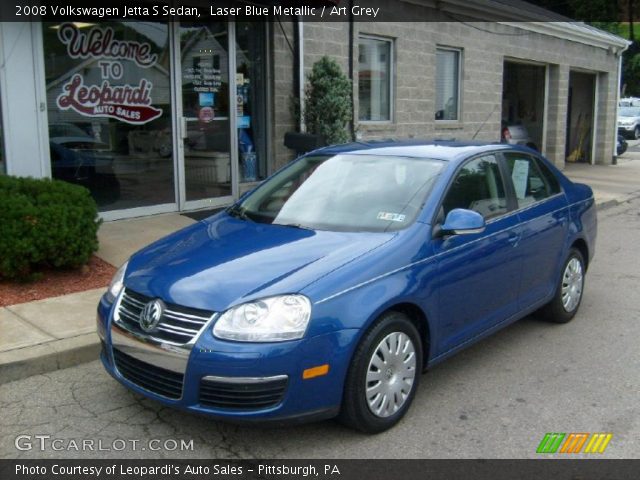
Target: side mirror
(461, 221)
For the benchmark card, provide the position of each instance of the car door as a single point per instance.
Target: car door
(479, 273)
(544, 215)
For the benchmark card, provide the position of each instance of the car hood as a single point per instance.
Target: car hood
(224, 261)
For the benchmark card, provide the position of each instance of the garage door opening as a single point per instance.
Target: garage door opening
(523, 103)
(580, 117)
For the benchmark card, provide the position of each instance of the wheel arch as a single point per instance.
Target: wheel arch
(583, 248)
(415, 314)
(420, 321)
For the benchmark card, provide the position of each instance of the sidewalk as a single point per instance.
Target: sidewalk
(59, 332)
(611, 184)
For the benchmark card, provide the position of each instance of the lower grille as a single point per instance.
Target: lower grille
(234, 395)
(155, 379)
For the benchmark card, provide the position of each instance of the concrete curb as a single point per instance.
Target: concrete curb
(47, 357)
(614, 202)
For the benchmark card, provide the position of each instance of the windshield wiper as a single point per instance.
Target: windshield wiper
(238, 212)
(293, 225)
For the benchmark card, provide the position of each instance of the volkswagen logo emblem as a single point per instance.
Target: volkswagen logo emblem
(151, 314)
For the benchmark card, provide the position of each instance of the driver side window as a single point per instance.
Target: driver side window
(478, 186)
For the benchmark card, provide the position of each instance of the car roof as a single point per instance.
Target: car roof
(436, 149)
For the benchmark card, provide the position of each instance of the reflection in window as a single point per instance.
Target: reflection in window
(374, 79)
(478, 186)
(109, 110)
(532, 181)
(447, 84)
(251, 87)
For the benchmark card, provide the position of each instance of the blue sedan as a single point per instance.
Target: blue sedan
(332, 286)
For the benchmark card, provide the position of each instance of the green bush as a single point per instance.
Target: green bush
(44, 223)
(327, 106)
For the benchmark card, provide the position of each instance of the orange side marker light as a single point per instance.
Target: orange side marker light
(313, 372)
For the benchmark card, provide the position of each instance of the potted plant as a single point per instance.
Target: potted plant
(327, 108)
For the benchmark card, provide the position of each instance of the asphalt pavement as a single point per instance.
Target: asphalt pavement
(497, 399)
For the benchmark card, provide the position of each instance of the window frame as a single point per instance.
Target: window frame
(538, 162)
(392, 76)
(512, 205)
(460, 52)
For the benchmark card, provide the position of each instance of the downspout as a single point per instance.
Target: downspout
(618, 88)
(300, 70)
(351, 45)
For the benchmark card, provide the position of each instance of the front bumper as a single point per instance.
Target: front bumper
(303, 399)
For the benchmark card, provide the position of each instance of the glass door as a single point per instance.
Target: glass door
(205, 153)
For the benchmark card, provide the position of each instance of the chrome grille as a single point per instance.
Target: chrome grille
(177, 325)
(155, 379)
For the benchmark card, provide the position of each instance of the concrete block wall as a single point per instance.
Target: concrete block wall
(485, 47)
(282, 113)
(557, 108)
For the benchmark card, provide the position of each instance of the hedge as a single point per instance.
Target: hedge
(44, 223)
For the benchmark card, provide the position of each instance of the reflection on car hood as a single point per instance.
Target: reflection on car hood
(224, 261)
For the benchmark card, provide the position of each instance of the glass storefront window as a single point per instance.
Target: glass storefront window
(109, 110)
(251, 104)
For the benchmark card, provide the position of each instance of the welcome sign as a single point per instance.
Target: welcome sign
(125, 102)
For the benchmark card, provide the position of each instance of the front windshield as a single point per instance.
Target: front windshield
(346, 192)
(629, 112)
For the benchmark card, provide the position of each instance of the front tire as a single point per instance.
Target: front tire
(568, 296)
(383, 376)
(636, 133)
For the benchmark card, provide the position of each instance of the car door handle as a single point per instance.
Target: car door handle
(513, 238)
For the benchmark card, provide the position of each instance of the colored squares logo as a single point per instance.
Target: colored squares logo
(574, 443)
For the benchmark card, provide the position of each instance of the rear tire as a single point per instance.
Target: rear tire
(568, 296)
(636, 133)
(383, 376)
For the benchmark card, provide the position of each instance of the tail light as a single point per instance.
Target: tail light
(505, 133)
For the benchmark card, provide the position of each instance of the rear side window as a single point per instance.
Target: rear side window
(478, 186)
(532, 180)
(552, 181)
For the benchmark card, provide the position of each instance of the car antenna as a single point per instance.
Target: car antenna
(485, 121)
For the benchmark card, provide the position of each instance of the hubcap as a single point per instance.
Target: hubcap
(391, 373)
(572, 285)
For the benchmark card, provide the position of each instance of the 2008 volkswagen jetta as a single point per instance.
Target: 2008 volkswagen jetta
(328, 289)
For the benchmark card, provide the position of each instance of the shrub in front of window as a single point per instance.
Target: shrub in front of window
(327, 108)
(44, 224)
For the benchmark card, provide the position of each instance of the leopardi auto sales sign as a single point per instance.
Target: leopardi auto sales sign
(125, 102)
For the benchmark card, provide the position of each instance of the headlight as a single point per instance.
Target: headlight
(274, 319)
(116, 285)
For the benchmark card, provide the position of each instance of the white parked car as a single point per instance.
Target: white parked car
(629, 102)
(629, 122)
(516, 134)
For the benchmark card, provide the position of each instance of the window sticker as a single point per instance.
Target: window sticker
(391, 217)
(520, 175)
